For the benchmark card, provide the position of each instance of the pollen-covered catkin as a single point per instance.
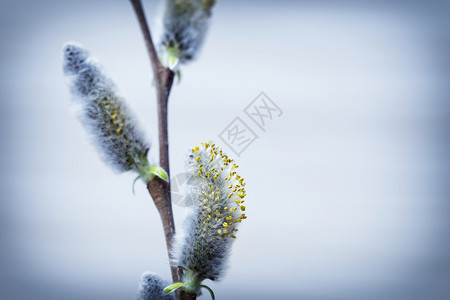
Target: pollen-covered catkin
(152, 288)
(104, 114)
(184, 28)
(218, 194)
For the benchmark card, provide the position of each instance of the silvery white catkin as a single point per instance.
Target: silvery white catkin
(185, 25)
(104, 114)
(152, 288)
(217, 193)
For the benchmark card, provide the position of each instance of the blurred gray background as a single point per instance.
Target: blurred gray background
(347, 190)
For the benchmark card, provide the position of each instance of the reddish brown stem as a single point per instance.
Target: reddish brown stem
(158, 188)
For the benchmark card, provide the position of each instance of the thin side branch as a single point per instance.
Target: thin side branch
(163, 79)
(156, 65)
(159, 189)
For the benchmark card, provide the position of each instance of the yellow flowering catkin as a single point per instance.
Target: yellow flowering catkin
(218, 194)
(104, 114)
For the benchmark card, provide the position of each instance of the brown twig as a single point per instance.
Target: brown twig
(159, 189)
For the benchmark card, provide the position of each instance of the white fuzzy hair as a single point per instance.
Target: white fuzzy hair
(152, 287)
(217, 192)
(104, 114)
(185, 24)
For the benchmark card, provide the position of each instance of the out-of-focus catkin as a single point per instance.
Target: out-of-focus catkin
(152, 288)
(184, 28)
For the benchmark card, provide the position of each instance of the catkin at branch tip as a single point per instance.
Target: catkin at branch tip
(218, 195)
(184, 28)
(152, 288)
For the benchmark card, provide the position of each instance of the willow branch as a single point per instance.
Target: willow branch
(159, 189)
(156, 65)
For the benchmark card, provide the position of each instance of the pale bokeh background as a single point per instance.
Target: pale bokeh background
(347, 190)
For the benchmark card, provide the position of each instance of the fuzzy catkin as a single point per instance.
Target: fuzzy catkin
(217, 193)
(184, 27)
(152, 288)
(104, 114)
